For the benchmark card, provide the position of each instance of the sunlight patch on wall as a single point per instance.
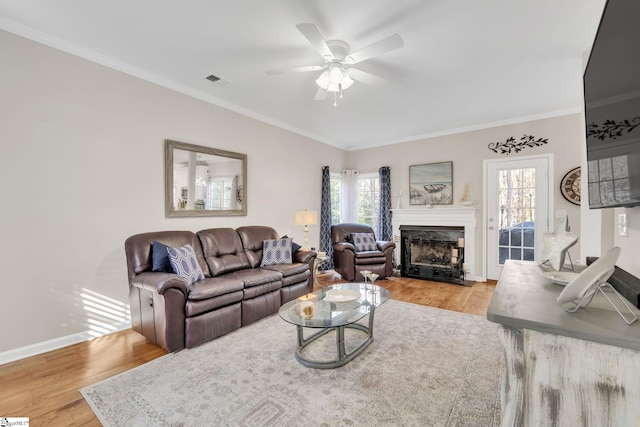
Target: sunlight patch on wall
(104, 314)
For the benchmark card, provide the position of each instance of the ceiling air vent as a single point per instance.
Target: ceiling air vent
(218, 81)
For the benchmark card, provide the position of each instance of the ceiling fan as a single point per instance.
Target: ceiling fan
(338, 75)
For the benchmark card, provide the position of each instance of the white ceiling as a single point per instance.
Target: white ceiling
(465, 65)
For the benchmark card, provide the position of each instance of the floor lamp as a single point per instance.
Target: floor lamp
(306, 218)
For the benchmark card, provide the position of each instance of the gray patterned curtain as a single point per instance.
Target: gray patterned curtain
(385, 231)
(325, 219)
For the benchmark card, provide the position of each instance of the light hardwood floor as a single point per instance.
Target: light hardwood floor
(45, 387)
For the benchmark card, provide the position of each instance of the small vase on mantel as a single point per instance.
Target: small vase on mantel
(466, 196)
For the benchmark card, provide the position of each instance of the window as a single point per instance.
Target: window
(219, 193)
(368, 199)
(335, 184)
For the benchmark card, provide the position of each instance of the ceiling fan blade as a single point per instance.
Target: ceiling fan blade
(296, 69)
(364, 77)
(312, 34)
(385, 45)
(321, 95)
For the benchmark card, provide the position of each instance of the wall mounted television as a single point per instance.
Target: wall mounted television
(612, 108)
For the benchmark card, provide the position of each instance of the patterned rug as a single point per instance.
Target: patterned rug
(425, 367)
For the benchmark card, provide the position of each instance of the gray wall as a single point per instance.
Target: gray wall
(82, 169)
(467, 151)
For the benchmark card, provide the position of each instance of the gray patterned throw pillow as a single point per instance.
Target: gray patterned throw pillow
(276, 252)
(364, 242)
(185, 263)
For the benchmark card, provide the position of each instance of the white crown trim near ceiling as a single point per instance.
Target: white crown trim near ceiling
(506, 122)
(56, 43)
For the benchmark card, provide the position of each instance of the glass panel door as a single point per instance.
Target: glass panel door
(518, 206)
(517, 199)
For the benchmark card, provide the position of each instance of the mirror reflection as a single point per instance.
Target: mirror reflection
(204, 181)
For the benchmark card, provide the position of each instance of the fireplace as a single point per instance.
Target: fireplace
(432, 253)
(450, 217)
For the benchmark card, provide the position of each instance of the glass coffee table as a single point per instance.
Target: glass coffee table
(334, 308)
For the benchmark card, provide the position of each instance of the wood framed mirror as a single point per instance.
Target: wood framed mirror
(204, 181)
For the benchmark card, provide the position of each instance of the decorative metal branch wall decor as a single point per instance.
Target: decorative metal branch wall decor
(612, 130)
(511, 145)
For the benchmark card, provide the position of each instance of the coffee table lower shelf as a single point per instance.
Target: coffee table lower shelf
(342, 356)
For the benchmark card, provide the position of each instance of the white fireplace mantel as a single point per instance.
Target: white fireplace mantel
(442, 216)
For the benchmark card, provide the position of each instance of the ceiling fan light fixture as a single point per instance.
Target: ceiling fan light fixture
(335, 73)
(333, 87)
(334, 79)
(346, 82)
(323, 80)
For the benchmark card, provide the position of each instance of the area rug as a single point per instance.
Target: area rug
(425, 367)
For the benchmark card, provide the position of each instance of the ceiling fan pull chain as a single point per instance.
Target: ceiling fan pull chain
(340, 89)
(335, 99)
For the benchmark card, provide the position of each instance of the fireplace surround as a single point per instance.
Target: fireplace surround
(432, 253)
(464, 217)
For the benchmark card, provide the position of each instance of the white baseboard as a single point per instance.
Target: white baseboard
(54, 344)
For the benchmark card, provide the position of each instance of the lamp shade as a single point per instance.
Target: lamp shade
(306, 217)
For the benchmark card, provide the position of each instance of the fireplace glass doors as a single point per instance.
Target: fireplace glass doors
(433, 253)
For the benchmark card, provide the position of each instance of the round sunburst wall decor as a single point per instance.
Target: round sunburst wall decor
(570, 186)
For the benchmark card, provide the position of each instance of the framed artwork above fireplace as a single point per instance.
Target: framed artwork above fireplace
(431, 184)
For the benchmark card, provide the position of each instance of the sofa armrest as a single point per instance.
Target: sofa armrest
(344, 247)
(383, 245)
(304, 256)
(159, 282)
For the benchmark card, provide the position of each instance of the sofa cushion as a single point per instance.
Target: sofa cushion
(160, 258)
(253, 237)
(294, 246)
(276, 252)
(364, 242)
(138, 249)
(223, 250)
(185, 264)
(296, 278)
(257, 276)
(288, 269)
(214, 287)
(369, 254)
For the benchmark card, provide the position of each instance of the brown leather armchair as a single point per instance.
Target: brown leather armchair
(349, 262)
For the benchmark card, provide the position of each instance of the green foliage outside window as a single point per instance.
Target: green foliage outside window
(336, 194)
(368, 200)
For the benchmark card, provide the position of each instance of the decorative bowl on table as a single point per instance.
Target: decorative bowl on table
(341, 295)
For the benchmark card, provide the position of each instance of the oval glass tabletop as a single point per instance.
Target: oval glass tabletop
(335, 305)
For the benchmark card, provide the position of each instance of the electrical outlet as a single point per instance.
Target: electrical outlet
(622, 225)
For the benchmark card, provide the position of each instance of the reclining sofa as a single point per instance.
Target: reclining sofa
(236, 289)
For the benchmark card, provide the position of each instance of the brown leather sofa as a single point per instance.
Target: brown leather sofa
(349, 262)
(236, 291)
